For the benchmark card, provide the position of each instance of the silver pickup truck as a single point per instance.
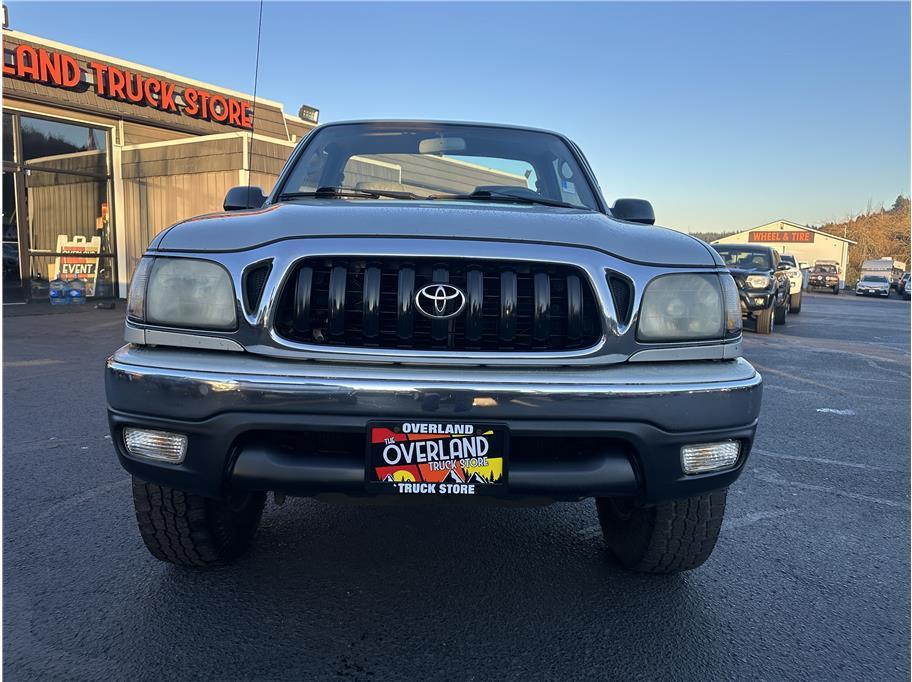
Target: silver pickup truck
(432, 311)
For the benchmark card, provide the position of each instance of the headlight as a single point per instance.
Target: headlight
(684, 308)
(758, 281)
(182, 292)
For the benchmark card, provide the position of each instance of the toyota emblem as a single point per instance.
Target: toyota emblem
(440, 301)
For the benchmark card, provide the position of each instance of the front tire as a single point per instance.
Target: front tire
(192, 530)
(765, 321)
(667, 538)
(795, 304)
(836, 290)
(782, 311)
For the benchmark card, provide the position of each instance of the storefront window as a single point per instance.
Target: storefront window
(70, 229)
(70, 147)
(56, 206)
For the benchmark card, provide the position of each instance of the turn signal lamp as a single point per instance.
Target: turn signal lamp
(705, 457)
(158, 445)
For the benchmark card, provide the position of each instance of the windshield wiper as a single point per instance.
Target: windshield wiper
(487, 195)
(348, 192)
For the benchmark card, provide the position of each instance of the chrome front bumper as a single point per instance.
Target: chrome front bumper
(218, 398)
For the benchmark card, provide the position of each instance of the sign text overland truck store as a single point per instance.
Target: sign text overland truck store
(42, 66)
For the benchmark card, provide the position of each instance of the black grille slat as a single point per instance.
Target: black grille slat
(507, 323)
(542, 321)
(336, 300)
(370, 303)
(303, 298)
(405, 308)
(574, 308)
(474, 301)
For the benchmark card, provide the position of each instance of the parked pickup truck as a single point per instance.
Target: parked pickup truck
(432, 310)
(763, 283)
(796, 282)
(824, 276)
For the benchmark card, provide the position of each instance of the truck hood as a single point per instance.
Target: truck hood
(241, 230)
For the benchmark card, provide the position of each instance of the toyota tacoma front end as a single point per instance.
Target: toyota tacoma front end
(432, 310)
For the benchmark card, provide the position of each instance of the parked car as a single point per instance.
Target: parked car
(824, 276)
(796, 282)
(407, 314)
(763, 283)
(873, 285)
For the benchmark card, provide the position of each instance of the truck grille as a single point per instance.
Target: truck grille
(370, 303)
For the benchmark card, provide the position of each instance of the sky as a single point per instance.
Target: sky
(723, 115)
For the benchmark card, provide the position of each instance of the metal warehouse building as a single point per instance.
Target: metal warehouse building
(100, 154)
(803, 242)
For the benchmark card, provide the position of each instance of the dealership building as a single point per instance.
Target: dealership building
(805, 243)
(101, 154)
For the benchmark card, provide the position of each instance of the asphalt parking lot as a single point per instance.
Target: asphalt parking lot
(810, 578)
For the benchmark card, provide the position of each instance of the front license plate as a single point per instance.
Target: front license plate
(436, 458)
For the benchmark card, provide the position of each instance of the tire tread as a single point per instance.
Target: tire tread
(668, 538)
(191, 530)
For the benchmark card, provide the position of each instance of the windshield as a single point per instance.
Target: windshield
(790, 260)
(824, 268)
(874, 278)
(438, 161)
(745, 259)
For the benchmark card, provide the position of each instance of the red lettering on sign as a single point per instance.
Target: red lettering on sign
(234, 112)
(27, 67)
(219, 108)
(805, 237)
(116, 82)
(151, 88)
(49, 66)
(167, 96)
(63, 71)
(72, 74)
(191, 107)
(100, 70)
(134, 87)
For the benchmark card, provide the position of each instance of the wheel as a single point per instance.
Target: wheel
(765, 321)
(781, 312)
(192, 530)
(667, 538)
(795, 303)
(836, 290)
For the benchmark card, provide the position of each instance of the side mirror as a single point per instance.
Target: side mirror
(634, 211)
(783, 266)
(803, 265)
(242, 198)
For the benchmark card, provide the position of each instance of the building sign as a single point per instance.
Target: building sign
(79, 265)
(781, 236)
(57, 70)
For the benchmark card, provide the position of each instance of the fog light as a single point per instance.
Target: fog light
(158, 445)
(703, 457)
